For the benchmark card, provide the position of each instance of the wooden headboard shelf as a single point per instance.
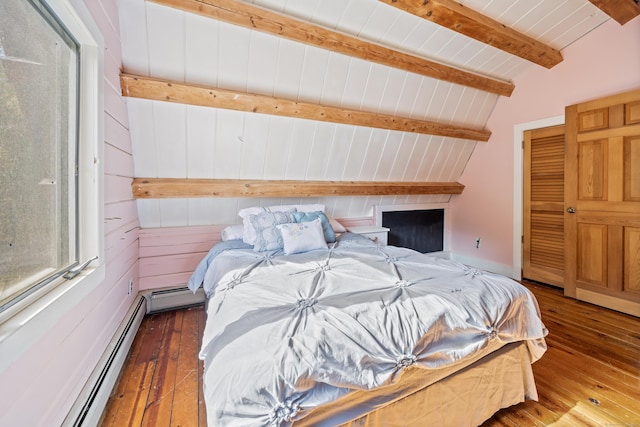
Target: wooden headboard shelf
(160, 188)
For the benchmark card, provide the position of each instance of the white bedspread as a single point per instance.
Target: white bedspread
(285, 334)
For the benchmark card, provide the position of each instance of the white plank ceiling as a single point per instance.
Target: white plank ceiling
(179, 141)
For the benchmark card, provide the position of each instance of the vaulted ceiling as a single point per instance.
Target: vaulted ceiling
(325, 90)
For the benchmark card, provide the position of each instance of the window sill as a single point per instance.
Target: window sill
(23, 325)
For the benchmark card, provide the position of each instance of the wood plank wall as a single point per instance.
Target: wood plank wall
(169, 255)
(39, 390)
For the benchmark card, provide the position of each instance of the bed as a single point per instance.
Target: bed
(349, 332)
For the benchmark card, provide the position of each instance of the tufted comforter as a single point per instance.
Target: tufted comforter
(285, 334)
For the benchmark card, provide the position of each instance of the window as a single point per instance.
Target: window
(49, 129)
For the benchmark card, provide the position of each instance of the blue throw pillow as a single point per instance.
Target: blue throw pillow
(327, 230)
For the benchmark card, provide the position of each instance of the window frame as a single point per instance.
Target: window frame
(25, 322)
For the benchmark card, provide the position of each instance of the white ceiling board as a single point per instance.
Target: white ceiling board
(289, 72)
(357, 79)
(142, 130)
(170, 140)
(355, 16)
(166, 41)
(133, 34)
(374, 89)
(446, 156)
(403, 157)
(342, 139)
(327, 13)
(277, 153)
(201, 211)
(390, 99)
(379, 22)
(465, 150)
(320, 149)
(254, 141)
(373, 156)
(302, 136)
(200, 136)
(335, 79)
(262, 69)
(201, 50)
(417, 155)
(357, 150)
(149, 213)
(428, 160)
(233, 58)
(227, 154)
(313, 75)
(392, 145)
(173, 214)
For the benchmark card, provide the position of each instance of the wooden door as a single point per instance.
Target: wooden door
(543, 206)
(602, 202)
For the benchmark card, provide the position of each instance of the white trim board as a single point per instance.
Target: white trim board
(518, 182)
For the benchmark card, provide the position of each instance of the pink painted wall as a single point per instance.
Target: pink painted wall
(42, 385)
(604, 62)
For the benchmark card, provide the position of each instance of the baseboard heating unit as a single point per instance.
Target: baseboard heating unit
(88, 408)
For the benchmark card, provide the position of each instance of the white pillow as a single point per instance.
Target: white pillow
(337, 227)
(268, 237)
(249, 234)
(302, 236)
(232, 232)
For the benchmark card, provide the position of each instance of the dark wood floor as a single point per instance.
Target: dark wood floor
(590, 375)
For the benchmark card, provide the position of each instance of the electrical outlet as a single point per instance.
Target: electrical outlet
(130, 290)
(477, 243)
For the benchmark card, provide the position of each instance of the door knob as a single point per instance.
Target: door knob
(571, 210)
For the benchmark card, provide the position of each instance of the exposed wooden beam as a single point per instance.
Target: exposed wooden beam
(159, 188)
(260, 19)
(622, 11)
(463, 20)
(163, 90)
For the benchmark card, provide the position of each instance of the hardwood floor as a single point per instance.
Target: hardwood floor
(590, 375)
(161, 382)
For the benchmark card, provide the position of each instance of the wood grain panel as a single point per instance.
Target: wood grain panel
(632, 113)
(632, 169)
(612, 166)
(592, 163)
(632, 259)
(593, 120)
(163, 90)
(621, 10)
(186, 188)
(592, 254)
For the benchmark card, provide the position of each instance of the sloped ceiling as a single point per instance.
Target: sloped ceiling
(178, 140)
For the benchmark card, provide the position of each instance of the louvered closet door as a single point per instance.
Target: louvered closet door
(543, 207)
(602, 195)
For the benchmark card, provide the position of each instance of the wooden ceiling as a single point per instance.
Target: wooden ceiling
(477, 74)
(446, 13)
